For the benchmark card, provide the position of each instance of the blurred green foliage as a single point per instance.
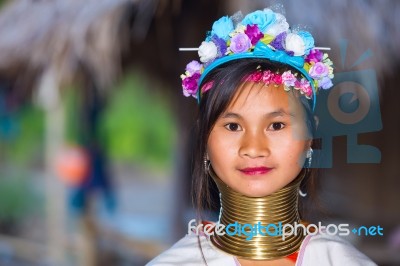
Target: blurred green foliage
(24, 138)
(139, 125)
(21, 148)
(17, 198)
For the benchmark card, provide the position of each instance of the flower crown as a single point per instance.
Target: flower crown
(261, 34)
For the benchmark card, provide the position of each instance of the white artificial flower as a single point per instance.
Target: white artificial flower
(295, 43)
(207, 51)
(280, 26)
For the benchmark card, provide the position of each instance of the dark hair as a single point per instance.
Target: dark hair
(227, 79)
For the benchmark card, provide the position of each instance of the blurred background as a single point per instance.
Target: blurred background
(95, 134)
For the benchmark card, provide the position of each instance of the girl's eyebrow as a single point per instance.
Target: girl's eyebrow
(231, 115)
(278, 112)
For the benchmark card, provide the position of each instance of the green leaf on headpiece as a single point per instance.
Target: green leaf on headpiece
(267, 39)
(316, 86)
(307, 66)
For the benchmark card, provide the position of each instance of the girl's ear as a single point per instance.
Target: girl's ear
(316, 120)
(309, 143)
(206, 156)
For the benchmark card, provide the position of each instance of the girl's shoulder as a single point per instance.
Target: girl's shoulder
(324, 249)
(186, 252)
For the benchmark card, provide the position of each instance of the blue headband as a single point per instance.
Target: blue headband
(262, 51)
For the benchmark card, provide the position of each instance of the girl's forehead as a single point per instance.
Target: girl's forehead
(252, 95)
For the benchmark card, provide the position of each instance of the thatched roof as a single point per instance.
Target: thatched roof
(67, 36)
(96, 39)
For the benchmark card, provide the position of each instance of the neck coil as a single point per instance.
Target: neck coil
(280, 207)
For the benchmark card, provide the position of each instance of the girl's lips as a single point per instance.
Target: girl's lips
(255, 170)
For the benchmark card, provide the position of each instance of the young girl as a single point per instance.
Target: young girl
(256, 87)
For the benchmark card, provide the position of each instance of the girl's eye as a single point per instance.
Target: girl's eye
(233, 127)
(277, 126)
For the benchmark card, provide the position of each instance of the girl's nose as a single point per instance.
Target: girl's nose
(254, 145)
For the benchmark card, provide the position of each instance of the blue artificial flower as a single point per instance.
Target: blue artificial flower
(279, 41)
(222, 27)
(221, 45)
(308, 41)
(263, 19)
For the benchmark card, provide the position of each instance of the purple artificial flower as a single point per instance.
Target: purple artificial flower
(221, 45)
(315, 56)
(325, 83)
(291, 53)
(318, 70)
(279, 40)
(193, 67)
(254, 33)
(240, 43)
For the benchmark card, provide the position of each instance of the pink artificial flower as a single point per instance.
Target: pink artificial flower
(309, 92)
(277, 79)
(256, 76)
(297, 85)
(267, 75)
(206, 87)
(306, 88)
(288, 78)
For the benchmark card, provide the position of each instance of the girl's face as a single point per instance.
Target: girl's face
(258, 145)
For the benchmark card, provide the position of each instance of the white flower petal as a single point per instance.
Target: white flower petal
(295, 43)
(207, 51)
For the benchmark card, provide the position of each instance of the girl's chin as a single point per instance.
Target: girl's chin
(252, 187)
(255, 193)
